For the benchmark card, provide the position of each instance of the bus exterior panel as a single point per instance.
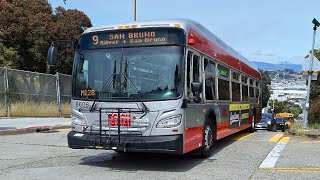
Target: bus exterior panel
(145, 137)
(212, 49)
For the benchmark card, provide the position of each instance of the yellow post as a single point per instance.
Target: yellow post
(135, 10)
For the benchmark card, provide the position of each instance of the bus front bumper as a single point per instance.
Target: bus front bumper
(172, 144)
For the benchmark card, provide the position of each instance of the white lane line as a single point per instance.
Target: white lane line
(273, 156)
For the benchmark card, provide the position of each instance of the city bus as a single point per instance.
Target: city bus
(167, 86)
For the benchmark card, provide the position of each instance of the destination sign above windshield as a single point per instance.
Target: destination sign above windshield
(128, 38)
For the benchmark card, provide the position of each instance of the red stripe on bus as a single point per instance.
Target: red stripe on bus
(223, 125)
(193, 138)
(203, 44)
(226, 132)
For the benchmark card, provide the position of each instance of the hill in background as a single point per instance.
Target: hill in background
(280, 66)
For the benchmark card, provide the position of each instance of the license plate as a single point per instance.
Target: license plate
(125, 119)
(259, 126)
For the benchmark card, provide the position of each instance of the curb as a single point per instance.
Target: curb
(32, 129)
(314, 136)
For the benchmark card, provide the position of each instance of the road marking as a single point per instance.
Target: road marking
(276, 137)
(272, 158)
(240, 136)
(292, 169)
(285, 139)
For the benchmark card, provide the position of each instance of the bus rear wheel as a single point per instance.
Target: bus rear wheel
(252, 129)
(209, 139)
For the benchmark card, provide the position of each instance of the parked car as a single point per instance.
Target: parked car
(281, 123)
(265, 122)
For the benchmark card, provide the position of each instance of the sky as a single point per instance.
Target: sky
(271, 31)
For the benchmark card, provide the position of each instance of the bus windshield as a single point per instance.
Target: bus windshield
(129, 74)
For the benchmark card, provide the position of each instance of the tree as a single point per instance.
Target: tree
(265, 83)
(286, 106)
(27, 29)
(69, 22)
(29, 26)
(314, 110)
(8, 56)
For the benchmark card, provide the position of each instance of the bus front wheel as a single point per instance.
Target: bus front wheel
(209, 139)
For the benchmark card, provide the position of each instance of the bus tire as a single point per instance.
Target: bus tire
(252, 129)
(120, 152)
(209, 139)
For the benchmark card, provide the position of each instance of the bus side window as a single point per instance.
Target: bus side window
(196, 65)
(83, 75)
(245, 89)
(223, 83)
(193, 71)
(210, 73)
(188, 74)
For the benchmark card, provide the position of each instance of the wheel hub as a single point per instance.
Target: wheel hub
(208, 137)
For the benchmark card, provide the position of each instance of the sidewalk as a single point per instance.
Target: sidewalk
(313, 133)
(9, 126)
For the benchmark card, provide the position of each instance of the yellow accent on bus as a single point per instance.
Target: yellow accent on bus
(120, 27)
(177, 25)
(237, 107)
(134, 26)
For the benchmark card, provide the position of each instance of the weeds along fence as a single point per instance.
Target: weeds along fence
(25, 93)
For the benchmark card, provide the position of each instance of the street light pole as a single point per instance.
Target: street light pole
(135, 10)
(305, 122)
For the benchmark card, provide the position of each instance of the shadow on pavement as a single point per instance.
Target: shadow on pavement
(152, 162)
(7, 128)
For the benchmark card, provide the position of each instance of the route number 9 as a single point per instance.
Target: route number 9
(95, 39)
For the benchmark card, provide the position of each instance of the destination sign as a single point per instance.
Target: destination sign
(127, 38)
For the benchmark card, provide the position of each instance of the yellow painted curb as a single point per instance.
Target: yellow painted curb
(240, 136)
(285, 139)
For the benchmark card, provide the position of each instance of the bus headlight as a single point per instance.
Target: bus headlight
(78, 121)
(269, 122)
(169, 122)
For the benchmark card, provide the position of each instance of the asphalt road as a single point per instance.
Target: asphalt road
(46, 156)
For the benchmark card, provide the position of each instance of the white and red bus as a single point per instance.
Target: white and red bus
(175, 86)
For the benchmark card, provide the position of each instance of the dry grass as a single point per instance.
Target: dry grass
(66, 109)
(2, 111)
(298, 130)
(43, 109)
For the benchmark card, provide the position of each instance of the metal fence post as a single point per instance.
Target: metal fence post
(58, 94)
(6, 91)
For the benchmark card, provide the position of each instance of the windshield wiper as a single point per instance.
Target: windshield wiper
(102, 91)
(144, 107)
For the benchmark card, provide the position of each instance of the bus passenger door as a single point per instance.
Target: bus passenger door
(194, 116)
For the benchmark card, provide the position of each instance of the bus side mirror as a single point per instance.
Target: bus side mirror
(52, 55)
(196, 88)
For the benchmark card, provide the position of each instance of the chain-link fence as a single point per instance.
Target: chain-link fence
(24, 93)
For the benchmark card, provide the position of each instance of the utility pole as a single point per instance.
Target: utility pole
(305, 122)
(135, 10)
